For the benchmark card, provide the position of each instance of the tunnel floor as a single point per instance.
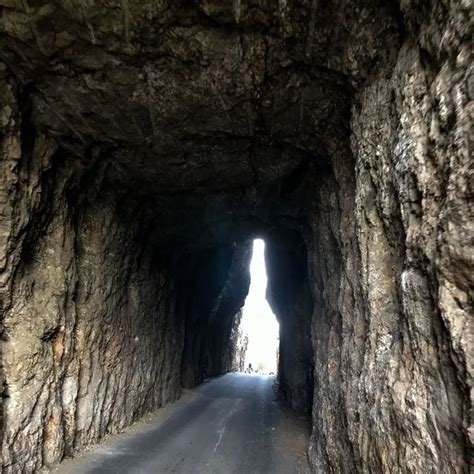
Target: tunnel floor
(231, 424)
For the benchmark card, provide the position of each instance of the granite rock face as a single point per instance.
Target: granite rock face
(94, 316)
(143, 145)
(238, 344)
(393, 262)
(214, 287)
(289, 295)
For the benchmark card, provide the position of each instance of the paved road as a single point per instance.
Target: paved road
(231, 424)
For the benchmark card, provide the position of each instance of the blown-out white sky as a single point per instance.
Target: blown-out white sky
(258, 320)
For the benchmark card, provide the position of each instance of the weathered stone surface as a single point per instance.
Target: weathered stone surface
(289, 295)
(393, 346)
(91, 336)
(144, 144)
(214, 286)
(238, 343)
(84, 347)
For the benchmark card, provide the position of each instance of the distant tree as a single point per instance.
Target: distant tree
(261, 366)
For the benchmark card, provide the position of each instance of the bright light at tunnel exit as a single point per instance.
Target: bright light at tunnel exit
(258, 320)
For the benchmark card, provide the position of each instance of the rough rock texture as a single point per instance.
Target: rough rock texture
(213, 292)
(393, 262)
(290, 299)
(144, 144)
(238, 344)
(92, 335)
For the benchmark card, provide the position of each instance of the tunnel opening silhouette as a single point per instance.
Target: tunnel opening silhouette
(259, 329)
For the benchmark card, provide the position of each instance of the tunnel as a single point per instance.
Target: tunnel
(146, 144)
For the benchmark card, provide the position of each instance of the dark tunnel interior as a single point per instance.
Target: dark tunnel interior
(145, 144)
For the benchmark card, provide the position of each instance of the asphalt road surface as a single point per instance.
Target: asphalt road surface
(231, 424)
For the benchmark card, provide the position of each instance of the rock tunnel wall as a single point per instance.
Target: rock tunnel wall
(214, 290)
(289, 295)
(86, 311)
(390, 254)
(129, 197)
(96, 322)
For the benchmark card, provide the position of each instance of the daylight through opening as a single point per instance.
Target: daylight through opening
(259, 323)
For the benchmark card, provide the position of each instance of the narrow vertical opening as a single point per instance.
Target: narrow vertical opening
(259, 323)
